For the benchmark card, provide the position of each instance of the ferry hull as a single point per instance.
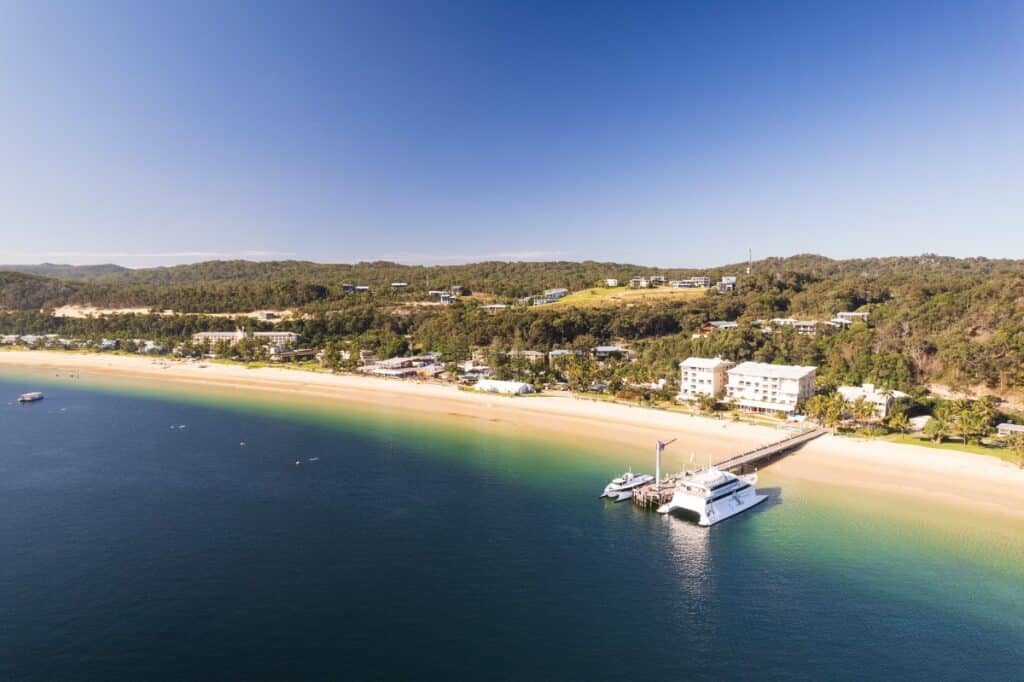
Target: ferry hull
(715, 512)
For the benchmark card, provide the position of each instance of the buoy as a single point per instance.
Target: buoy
(298, 462)
(241, 444)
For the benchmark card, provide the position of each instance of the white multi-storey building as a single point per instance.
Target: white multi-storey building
(769, 388)
(703, 376)
(272, 338)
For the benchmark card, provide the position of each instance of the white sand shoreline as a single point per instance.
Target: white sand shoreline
(948, 477)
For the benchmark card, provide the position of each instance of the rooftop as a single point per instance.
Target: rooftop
(764, 369)
(704, 363)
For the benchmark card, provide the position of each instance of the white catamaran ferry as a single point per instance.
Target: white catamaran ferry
(713, 495)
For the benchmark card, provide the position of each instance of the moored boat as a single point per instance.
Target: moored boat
(713, 495)
(621, 488)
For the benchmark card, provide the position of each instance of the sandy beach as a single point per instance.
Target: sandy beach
(948, 477)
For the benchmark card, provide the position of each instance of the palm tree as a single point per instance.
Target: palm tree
(898, 422)
(941, 423)
(706, 403)
(862, 410)
(835, 410)
(816, 407)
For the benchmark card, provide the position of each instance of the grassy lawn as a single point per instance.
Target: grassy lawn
(1004, 454)
(605, 296)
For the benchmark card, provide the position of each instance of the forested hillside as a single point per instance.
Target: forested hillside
(956, 321)
(28, 292)
(68, 272)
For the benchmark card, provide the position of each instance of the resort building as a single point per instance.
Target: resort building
(882, 399)
(762, 387)
(703, 376)
(606, 352)
(399, 285)
(531, 356)
(691, 283)
(727, 284)
(507, 387)
(1007, 429)
(273, 338)
(426, 366)
(494, 308)
(611, 282)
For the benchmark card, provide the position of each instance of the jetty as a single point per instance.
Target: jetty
(661, 491)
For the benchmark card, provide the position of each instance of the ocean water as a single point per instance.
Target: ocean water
(401, 548)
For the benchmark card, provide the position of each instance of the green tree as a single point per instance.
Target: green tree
(1016, 445)
(707, 403)
(898, 421)
(862, 410)
(816, 407)
(940, 425)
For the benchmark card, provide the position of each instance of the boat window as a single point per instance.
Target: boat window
(729, 492)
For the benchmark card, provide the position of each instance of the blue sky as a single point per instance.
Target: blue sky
(661, 133)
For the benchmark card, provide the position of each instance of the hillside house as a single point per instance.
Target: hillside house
(712, 326)
(727, 284)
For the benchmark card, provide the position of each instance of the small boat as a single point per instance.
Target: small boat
(30, 397)
(621, 488)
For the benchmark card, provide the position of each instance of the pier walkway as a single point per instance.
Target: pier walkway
(655, 495)
(766, 452)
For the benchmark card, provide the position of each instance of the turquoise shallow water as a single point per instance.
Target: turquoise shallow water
(131, 550)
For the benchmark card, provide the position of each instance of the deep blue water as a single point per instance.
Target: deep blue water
(133, 551)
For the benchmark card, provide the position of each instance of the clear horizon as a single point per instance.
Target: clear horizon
(674, 135)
